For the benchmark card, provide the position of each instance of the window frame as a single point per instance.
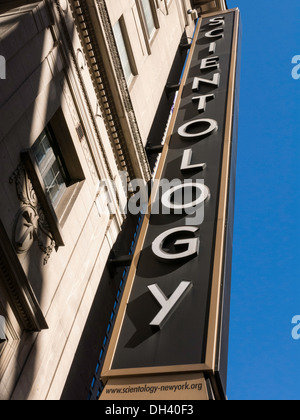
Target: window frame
(28, 160)
(121, 46)
(126, 46)
(64, 147)
(148, 41)
(151, 35)
(51, 157)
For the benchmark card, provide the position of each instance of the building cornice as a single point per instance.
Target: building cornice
(209, 6)
(126, 141)
(73, 58)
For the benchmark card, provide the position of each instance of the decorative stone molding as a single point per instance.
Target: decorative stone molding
(10, 345)
(30, 223)
(137, 143)
(77, 124)
(18, 287)
(130, 153)
(72, 58)
(64, 5)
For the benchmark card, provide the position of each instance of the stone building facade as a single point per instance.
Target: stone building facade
(82, 92)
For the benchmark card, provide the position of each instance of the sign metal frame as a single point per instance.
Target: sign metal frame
(214, 327)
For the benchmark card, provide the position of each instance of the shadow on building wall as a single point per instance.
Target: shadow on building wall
(83, 381)
(29, 97)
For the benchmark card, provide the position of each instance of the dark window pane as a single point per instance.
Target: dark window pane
(41, 148)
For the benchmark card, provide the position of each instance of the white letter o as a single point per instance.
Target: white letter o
(213, 126)
(166, 198)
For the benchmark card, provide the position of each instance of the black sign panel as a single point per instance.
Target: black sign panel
(167, 316)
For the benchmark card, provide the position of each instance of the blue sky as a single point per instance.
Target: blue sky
(264, 360)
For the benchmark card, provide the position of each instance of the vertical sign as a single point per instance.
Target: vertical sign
(175, 309)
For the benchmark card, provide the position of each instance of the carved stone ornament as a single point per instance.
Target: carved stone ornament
(30, 223)
(64, 5)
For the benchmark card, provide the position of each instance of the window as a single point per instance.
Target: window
(3, 338)
(120, 41)
(149, 19)
(47, 157)
(54, 169)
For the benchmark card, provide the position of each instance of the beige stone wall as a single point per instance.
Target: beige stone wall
(39, 82)
(47, 73)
